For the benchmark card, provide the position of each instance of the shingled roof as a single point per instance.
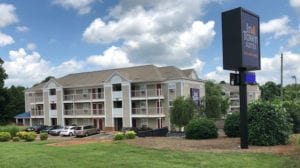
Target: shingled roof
(145, 73)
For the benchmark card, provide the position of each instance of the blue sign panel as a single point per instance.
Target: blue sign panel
(195, 95)
(250, 78)
(250, 40)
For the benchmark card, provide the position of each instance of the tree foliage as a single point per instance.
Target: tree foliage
(45, 80)
(270, 91)
(269, 124)
(183, 110)
(215, 102)
(201, 128)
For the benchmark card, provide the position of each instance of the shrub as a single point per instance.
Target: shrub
(12, 129)
(293, 109)
(119, 136)
(4, 136)
(16, 139)
(27, 136)
(21, 134)
(201, 128)
(43, 136)
(269, 124)
(130, 134)
(232, 125)
(30, 136)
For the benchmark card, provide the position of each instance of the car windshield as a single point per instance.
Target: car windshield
(78, 128)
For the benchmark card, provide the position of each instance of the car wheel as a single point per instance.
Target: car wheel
(86, 134)
(70, 134)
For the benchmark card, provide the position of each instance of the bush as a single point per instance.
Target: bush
(21, 134)
(232, 125)
(4, 136)
(269, 124)
(130, 134)
(27, 136)
(12, 129)
(293, 109)
(201, 128)
(16, 139)
(119, 136)
(43, 136)
(30, 136)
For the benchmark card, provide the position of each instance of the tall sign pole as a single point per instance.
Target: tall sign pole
(241, 52)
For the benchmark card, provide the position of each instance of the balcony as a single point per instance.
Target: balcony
(37, 113)
(83, 97)
(117, 112)
(148, 112)
(36, 99)
(83, 112)
(149, 94)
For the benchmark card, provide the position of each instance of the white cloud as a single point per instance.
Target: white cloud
(7, 15)
(22, 29)
(31, 46)
(218, 75)
(5, 40)
(155, 31)
(26, 69)
(197, 65)
(278, 27)
(82, 6)
(295, 4)
(112, 57)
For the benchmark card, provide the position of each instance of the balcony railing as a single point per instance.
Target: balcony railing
(87, 96)
(36, 99)
(146, 93)
(149, 111)
(85, 112)
(37, 113)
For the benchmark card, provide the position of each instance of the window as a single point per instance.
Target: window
(117, 87)
(52, 92)
(53, 106)
(117, 104)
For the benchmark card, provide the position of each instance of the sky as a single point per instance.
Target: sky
(59, 37)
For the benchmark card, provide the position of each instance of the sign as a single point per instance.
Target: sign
(234, 79)
(241, 40)
(195, 95)
(250, 78)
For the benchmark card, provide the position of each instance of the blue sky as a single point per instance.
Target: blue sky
(58, 37)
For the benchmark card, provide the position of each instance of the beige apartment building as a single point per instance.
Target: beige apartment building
(253, 93)
(113, 99)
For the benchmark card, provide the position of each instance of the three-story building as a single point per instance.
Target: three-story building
(111, 99)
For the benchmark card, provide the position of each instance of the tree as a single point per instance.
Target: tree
(183, 111)
(215, 102)
(3, 74)
(292, 92)
(3, 93)
(270, 91)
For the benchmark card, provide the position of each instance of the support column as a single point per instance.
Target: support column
(243, 110)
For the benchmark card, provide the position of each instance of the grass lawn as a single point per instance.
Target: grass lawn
(119, 154)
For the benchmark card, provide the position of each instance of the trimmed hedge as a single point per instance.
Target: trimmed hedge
(201, 128)
(12, 129)
(232, 125)
(43, 136)
(130, 134)
(27, 136)
(5, 136)
(119, 136)
(269, 124)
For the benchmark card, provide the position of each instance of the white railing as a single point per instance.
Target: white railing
(83, 96)
(86, 112)
(146, 93)
(147, 111)
(35, 99)
(37, 113)
(117, 112)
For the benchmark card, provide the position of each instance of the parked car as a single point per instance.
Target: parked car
(56, 131)
(48, 128)
(36, 128)
(68, 131)
(85, 130)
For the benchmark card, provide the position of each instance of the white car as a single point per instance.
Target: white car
(67, 131)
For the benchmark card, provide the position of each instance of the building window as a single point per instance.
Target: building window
(53, 106)
(52, 92)
(117, 104)
(117, 87)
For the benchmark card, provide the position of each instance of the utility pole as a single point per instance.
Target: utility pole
(281, 78)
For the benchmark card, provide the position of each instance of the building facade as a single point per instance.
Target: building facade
(253, 93)
(112, 99)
